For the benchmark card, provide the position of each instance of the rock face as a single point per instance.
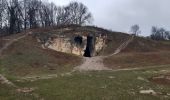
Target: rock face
(87, 45)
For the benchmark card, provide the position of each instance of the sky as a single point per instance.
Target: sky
(120, 15)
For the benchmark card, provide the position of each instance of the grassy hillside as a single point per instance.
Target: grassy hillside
(115, 39)
(26, 57)
(141, 44)
(138, 45)
(133, 55)
(118, 85)
(141, 52)
(138, 59)
(48, 73)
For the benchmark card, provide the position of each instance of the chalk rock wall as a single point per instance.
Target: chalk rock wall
(63, 44)
(68, 45)
(100, 44)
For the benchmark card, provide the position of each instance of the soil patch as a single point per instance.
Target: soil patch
(161, 79)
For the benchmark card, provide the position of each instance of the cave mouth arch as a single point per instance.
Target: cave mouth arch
(89, 47)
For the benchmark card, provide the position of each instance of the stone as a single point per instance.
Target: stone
(148, 92)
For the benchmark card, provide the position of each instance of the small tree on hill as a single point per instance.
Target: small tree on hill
(135, 29)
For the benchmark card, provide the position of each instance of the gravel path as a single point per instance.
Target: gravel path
(93, 63)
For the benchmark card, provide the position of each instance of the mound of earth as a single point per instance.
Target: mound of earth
(41, 51)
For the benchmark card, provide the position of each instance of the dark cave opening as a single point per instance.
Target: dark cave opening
(89, 47)
(78, 40)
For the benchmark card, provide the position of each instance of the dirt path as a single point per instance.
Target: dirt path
(11, 41)
(96, 63)
(122, 46)
(93, 63)
(4, 80)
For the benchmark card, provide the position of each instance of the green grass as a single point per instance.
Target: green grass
(124, 85)
(9, 93)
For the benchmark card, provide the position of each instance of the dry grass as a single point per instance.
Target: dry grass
(139, 53)
(141, 44)
(6, 39)
(163, 79)
(126, 60)
(26, 57)
(114, 40)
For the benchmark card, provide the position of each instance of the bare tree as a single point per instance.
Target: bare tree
(14, 14)
(79, 13)
(62, 16)
(47, 14)
(52, 13)
(167, 35)
(2, 11)
(74, 13)
(25, 6)
(159, 34)
(135, 29)
(33, 8)
(18, 15)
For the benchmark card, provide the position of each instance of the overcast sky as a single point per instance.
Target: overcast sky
(120, 15)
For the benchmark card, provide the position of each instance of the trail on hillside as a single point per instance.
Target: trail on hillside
(10, 42)
(90, 64)
(122, 46)
(4, 80)
(96, 63)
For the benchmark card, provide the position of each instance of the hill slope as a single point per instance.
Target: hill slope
(27, 57)
(141, 52)
(43, 74)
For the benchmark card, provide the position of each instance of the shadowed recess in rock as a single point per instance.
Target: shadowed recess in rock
(89, 47)
(78, 40)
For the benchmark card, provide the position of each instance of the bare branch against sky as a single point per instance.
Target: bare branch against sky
(119, 15)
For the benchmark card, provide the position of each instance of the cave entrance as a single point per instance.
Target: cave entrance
(89, 47)
(78, 40)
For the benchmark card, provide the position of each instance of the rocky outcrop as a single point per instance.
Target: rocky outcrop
(78, 44)
(65, 44)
